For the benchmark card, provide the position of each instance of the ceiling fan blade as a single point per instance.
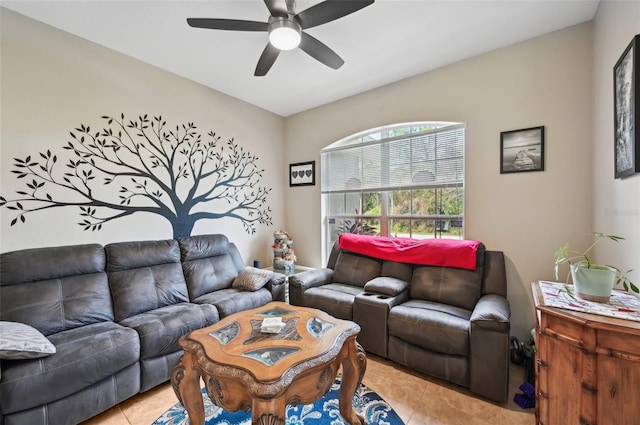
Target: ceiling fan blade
(328, 11)
(319, 51)
(267, 58)
(277, 7)
(227, 24)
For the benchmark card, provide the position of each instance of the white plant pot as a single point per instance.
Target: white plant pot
(593, 284)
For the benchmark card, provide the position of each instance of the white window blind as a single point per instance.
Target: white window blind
(430, 158)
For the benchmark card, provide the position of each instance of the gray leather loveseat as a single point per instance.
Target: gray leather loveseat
(446, 322)
(114, 315)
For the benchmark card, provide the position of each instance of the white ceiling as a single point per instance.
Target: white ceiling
(382, 43)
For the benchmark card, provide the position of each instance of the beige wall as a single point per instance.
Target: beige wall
(616, 203)
(52, 82)
(544, 81)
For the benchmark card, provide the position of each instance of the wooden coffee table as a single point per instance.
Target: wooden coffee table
(245, 368)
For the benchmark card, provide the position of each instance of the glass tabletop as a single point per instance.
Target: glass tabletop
(291, 271)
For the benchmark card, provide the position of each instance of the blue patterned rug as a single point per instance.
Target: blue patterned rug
(325, 411)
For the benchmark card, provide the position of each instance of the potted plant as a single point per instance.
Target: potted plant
(356, 226)
(592, 281)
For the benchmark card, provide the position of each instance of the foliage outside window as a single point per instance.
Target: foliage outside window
(404, 180)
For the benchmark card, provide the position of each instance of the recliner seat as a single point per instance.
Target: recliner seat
(115, 315)
(63, 292)
(450, 323)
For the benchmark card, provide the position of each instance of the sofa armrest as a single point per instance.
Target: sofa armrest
(300, 282)
(371, 311)
(489, 350)
(389, 286)
(277, 286)
(492, 312)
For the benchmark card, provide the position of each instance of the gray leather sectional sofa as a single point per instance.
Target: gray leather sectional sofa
(446, 322)
(115, 314)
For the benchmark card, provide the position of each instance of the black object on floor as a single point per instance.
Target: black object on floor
(523, 354)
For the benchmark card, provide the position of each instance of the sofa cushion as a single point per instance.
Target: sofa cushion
(355, 269)
(456, 287)
(55, 288)
(144, 276)
(232, 300)
(433, 326)
(84, 356)
(400, 271)
(78, 407)
(161, 328)
(209, 274)
(36, 264)
(335, 298)
(157, 370)
(252, 279)
(444, 366)
(209, 263)
(19, 341)
(203, 246)
(124, 256)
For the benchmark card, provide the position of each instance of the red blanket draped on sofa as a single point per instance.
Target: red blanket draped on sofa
(455, 253)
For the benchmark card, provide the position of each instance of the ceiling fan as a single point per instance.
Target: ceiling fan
(285, 28)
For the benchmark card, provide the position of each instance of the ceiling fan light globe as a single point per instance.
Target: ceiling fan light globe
(284, 35)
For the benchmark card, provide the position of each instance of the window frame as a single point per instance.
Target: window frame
(376, 136)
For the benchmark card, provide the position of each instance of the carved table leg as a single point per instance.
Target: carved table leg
(185, 379)
(354, 364)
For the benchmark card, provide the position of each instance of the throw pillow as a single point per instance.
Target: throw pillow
(20, 341)
(252, 279)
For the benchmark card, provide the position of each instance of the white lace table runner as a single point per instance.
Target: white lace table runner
(621, 305)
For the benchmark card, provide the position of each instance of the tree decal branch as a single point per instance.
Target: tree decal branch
(143, 166)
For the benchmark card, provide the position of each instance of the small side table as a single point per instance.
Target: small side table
(587, 366)
(244, 368)
(296, 269)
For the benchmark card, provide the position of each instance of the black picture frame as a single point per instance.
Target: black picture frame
(522, 150)
(626, 111)
(302, 174)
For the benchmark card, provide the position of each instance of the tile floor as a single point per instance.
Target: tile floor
(417, 399)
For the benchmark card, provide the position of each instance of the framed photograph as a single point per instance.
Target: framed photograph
(522, 150)
(302, 174)
(626, 111)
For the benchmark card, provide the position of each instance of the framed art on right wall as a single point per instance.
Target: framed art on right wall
(626, 111)
(522, 150)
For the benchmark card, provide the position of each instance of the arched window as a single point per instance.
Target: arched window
(402, 180)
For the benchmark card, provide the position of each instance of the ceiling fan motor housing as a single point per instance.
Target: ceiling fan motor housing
(284, 32)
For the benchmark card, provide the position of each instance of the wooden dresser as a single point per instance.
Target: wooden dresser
(587, 367)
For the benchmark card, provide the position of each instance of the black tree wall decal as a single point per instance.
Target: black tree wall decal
(142, 166)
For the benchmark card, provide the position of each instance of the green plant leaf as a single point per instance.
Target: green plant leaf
(570, 292)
